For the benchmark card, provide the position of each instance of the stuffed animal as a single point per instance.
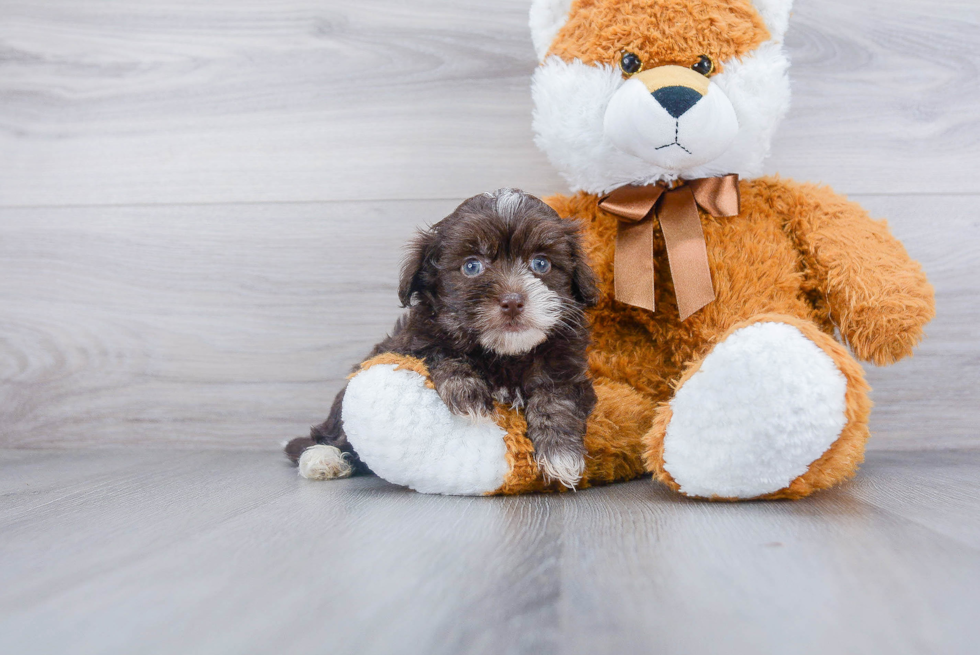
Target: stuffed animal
(714, 355)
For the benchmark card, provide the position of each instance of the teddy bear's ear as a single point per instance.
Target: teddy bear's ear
(776, 15)
(546, 18)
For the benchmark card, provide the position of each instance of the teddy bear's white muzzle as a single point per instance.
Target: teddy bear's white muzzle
(675, 127)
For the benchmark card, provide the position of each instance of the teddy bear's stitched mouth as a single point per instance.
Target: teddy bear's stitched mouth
(676, 142)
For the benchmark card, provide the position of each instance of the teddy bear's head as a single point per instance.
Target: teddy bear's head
(643, 91)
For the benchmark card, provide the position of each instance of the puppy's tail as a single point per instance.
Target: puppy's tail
(296, 447)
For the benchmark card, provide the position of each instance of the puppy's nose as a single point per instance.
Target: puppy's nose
(511, 304)
(676, 99)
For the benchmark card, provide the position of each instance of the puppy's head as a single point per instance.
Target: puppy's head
(502, 271)
(655, 90)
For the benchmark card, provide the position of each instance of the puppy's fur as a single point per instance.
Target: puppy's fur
(513, 332)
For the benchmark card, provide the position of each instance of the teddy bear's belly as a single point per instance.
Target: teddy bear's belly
(755, 270)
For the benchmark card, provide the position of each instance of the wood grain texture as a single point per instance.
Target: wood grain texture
(234, 325)
(120, 102)
(212, 552)
(207, 325)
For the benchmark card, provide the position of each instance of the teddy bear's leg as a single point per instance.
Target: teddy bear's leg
(402, 430)
(776, 409)
(614, 441)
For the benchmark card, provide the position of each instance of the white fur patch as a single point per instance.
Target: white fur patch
(758, 88)
(542, 309)
(546, 19)
(775, 14)
(566, 468)
(507, 202)
(639, 125)
(322, 462)
(513, 343)
(405, 433)
(571, 100)
(765, 404)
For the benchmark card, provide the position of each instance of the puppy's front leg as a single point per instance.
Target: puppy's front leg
(556, 419)
(463, 391)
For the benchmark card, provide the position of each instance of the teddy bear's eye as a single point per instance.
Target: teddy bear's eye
(630, 63)
(472, 267)
(704, 65)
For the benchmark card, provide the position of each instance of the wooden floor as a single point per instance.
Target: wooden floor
(138, 551)
(201, 211)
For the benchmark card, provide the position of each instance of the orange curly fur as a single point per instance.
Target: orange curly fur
(878, 297)
(660, 32)
(797, 253)
(400, 362)
(613, 441)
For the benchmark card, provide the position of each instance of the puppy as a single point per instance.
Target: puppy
(496, 293)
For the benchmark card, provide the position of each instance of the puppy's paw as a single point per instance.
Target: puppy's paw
(560, 461)
(323, 462)
(467, 396)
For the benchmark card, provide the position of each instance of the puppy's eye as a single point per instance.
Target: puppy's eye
(704, 66)
(540, 265)
(472, 267)
(630, 63)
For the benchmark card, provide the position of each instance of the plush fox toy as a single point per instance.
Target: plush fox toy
(714, 357)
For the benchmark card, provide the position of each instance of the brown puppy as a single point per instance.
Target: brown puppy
(496, 293)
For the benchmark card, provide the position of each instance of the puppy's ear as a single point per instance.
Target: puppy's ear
(419, 268)
(585, 287)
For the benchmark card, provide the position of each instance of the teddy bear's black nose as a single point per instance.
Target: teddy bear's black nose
(676, 99)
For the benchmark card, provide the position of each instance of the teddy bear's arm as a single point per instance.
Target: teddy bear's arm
(878, 296)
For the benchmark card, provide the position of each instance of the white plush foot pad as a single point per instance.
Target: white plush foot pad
(765, 404)
(405, 433)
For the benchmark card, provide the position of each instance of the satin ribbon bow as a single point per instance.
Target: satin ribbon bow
(677, 210)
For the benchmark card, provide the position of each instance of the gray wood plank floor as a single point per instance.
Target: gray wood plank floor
(145, 551)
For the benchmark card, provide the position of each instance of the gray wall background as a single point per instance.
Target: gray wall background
(202, 205)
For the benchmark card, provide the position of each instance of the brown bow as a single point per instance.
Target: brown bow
(677, 209)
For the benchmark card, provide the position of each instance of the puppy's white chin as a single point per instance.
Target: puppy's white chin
(542, 311)
(512, 343)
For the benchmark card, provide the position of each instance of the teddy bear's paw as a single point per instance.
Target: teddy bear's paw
(765, 404)
(322, 462)
(404, 432)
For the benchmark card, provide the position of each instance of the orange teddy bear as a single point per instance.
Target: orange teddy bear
(714, 356)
